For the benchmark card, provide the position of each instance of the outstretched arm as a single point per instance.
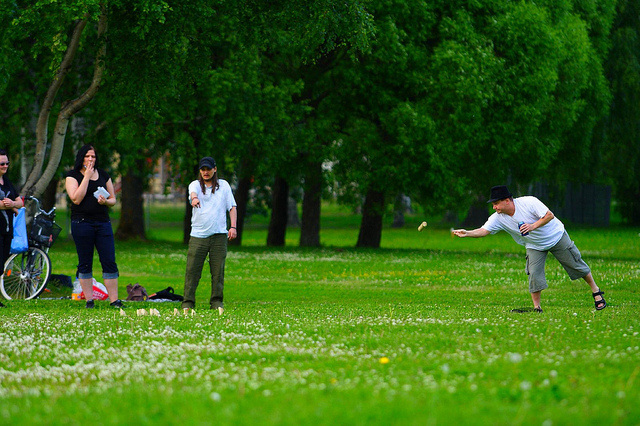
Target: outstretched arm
(476, 233)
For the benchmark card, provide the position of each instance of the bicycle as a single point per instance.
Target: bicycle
(26, 274)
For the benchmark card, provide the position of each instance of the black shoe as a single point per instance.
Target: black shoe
(90, 304)
(117, 304)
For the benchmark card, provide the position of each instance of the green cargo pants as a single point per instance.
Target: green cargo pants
(215, 247)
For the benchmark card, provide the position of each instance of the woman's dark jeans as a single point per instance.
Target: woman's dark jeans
(87, 235)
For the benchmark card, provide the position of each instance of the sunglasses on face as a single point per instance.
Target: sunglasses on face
(4, 164)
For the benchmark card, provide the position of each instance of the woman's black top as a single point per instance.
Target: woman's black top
(89, 208)
(6, 219)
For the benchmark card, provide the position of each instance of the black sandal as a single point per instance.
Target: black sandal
(600, 304)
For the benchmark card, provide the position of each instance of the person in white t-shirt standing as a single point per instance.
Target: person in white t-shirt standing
(211, 199)
(534, 226)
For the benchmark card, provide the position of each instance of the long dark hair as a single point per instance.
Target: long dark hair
(80, 157)
(216, 184)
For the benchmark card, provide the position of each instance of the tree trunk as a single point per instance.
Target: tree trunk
(279, 212)
(132, 206)
(42, 126)
(37, 181)
(371, 225)
(311, 206)
(242, 200)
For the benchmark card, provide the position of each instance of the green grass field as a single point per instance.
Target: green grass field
(418, 332)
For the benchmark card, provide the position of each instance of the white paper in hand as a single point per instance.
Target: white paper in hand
(101, 191)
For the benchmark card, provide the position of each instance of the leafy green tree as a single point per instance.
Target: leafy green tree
(246, 117)
(55, 34)
(333, 32)
(261, 103)
(147, 61)
(455, 97)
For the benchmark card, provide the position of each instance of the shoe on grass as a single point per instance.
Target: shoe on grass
(600, 304)
(90, 304)
(117, 304)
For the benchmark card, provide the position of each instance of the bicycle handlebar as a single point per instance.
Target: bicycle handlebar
(32, 198)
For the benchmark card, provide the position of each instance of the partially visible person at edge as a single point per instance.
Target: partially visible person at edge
(211, 199)
(534, 226)
(9, 201)
(90, 223)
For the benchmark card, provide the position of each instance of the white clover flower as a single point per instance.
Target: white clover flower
(515, 357)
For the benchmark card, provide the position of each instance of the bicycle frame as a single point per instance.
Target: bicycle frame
(25, 275)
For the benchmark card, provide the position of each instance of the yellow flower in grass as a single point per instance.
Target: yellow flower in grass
(384, 360)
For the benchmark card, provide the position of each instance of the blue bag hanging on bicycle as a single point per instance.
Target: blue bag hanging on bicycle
(20, 242)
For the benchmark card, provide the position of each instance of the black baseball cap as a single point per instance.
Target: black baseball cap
(208, 162)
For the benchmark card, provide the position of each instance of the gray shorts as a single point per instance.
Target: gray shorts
(567, 254)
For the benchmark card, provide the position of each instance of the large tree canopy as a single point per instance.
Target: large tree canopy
(438, 100)
(180, 76)
(456, 96)
(146, 55)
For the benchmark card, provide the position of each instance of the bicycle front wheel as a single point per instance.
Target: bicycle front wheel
(25, 274)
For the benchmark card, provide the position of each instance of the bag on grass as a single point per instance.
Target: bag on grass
(20, 242)
(136, 293)
(99, 291)
(63, 280)
(166, 294)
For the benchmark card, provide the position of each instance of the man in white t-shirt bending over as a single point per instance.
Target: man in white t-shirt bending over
(534, 226)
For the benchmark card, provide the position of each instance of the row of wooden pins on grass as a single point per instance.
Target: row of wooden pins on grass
(154, 312)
